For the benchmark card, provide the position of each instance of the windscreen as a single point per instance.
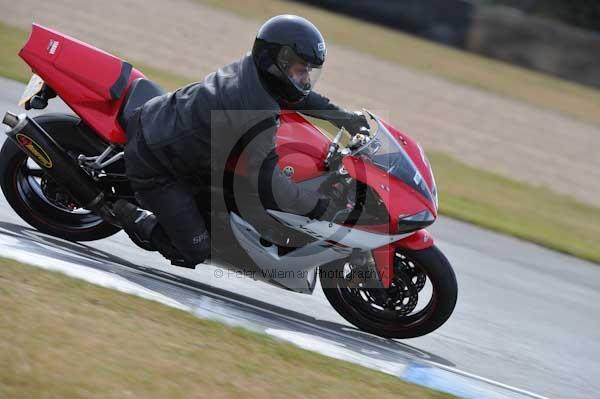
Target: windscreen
(384, 151)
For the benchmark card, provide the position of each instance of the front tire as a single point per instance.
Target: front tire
(25, 186)
(380, 311)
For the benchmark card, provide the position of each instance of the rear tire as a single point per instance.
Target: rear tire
(368, 317)
(27, 198)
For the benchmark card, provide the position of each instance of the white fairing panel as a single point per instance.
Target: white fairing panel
(346, 236)
(297, 270)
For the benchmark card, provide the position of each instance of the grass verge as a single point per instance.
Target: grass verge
(466, 193)
(11, 66)
(532, 87)
(65, 338)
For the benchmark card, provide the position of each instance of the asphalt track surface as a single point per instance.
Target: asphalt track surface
(526, 316)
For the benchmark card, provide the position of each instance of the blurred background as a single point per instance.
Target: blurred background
(552, 36)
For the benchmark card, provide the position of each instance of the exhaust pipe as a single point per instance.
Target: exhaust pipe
(53, 159)
(10, 119)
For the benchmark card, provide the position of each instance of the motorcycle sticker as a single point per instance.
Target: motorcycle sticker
(34, 150)
(52, 46)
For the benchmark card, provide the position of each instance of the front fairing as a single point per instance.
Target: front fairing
(396, 168)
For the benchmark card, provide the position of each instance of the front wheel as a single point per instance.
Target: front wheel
(421, 297)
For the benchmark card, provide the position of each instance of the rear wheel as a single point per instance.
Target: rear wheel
(420, 299)
(37, 199)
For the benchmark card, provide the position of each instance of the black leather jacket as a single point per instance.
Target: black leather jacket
(195, 129)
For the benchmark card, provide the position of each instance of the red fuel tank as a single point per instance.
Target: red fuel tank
(301, 147)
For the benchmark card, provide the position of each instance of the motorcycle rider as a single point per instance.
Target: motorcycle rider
(172, 145)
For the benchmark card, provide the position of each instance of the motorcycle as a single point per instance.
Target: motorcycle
(377, 265)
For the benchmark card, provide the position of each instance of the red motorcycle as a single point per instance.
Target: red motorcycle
(377, 265)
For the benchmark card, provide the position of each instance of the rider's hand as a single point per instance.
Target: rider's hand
(356, 123)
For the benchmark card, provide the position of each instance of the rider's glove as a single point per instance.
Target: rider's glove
(355, 123)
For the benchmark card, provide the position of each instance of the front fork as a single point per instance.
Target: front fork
(384, 256)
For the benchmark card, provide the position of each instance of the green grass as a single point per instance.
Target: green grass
(65, 338)
(539, 89)
(11, 65)
(466, 193)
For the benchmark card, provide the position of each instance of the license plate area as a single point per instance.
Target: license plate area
(35, 86)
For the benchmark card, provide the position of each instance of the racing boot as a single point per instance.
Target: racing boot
(143, 229)
(137, 223)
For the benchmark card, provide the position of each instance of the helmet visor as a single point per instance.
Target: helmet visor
(300, 73)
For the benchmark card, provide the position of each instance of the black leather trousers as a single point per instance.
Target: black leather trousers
(172, 200)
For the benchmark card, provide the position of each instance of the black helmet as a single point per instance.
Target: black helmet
(289, 52)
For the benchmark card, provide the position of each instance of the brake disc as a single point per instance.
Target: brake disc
(412, 272)
(403, 295)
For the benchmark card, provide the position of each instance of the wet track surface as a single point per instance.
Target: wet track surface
(526, 317)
